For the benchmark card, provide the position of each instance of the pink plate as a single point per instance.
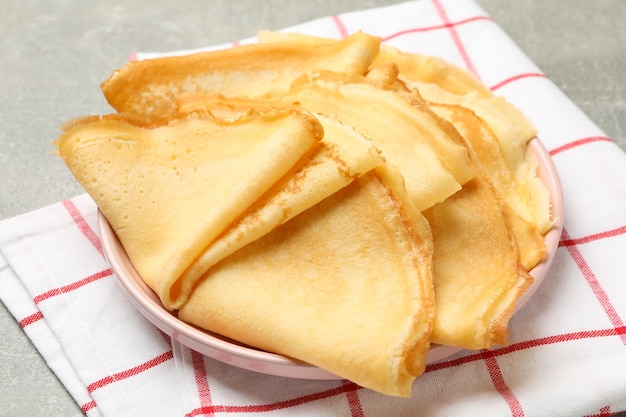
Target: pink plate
(231, 352)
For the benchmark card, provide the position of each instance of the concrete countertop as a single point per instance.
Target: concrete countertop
(56, 53)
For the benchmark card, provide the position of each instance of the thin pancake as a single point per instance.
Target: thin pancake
(513, 131)
(343, 156)
(477, 275)
(479, 270)
(519, 192)
(417, 69)
(433, 164)
(346, 286)
(169, 187)
(442, 83)
(151, 86)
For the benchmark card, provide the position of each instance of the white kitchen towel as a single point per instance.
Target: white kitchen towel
(567, 352)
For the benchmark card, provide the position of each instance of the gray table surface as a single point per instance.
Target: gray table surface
(54, 54)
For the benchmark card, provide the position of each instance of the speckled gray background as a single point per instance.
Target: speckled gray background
(54, 54)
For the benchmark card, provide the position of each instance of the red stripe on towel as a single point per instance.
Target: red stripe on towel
(435, 27)
(343, 31)
(500, 385)
(579, 142)
(28, 320)
(596, 287)
(202, 382)
(73, 286)
(280, 405)
(82, 224)
(456, 38)
(164, 357)
(515, 78)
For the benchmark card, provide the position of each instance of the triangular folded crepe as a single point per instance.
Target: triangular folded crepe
(520, 188)
(413, 69)
(171, 186)
(346, 286)
(477, 275)
(416, 70)
(255, 70)
(489, 234)
(432, 161)
(343, 156)
(517, 179)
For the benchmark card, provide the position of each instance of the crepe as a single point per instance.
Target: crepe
(483, 248)
(521, 193)
(498, 135)
(415, 70)
(490, 234)
(477, 275)
(434, 164)
(448, 89)
(343, 155)
(255, 70)
(346, 286)
(171, 186)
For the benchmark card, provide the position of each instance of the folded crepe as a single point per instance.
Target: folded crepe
(526, 202)
(170, 186)
(479, 270)
(432, 161)
(453, 93)
(415, 70)
(255, 70)
(439, 82)
(343, 155)
(491, 233)
(477, 275)
(346, 286)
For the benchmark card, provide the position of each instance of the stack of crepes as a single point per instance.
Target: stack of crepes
(335, 201)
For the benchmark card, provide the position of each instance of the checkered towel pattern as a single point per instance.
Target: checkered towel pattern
(567, 352)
